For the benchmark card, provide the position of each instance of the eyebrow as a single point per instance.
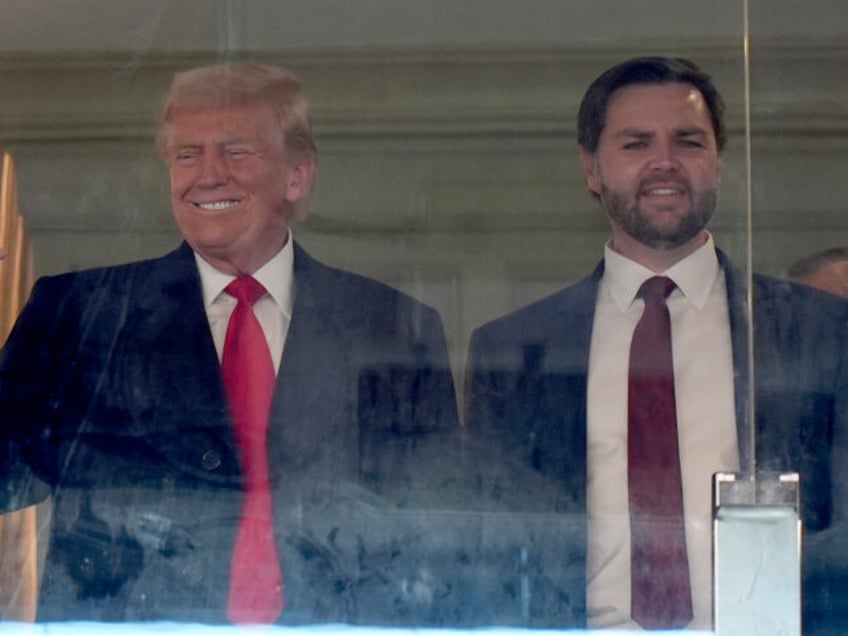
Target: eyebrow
(631, 133)
(225, 143)
(692, 132)
(638, 133)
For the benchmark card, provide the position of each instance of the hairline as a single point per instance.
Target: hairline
(646, 71)
(189, 92)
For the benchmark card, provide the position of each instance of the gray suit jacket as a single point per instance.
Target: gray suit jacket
(526, 399)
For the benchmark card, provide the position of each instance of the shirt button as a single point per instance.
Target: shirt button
(211, 460)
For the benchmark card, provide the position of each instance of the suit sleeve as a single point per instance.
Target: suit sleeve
(407, 413)
(30, 363)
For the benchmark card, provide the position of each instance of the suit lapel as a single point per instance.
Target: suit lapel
(739, 317)
(560, 407)
(576, 316)
(771, 443)
(310, 432)
(168, 345)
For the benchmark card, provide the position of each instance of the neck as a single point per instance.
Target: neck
(242, 263)
(657, 260)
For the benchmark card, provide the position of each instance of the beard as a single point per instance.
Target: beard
(624, 211)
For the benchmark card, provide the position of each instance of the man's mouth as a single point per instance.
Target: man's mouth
(218, 205)
(663, 190)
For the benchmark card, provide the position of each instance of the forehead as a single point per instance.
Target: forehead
(231, 121)
(650, 106)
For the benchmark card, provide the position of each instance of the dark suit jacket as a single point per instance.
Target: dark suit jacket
(111, 402)
(526, 397)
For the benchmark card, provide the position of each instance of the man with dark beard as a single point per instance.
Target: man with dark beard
(558, 385)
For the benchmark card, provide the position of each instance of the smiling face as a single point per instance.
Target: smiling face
(656, 171)
(233, 186)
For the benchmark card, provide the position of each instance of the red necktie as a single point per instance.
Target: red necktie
(256, 584)
(660, 591)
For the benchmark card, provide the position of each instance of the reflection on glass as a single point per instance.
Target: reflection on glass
(796, 185)
(450, 169)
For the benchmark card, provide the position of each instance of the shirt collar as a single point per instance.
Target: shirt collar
(694, 275)
(276, 276)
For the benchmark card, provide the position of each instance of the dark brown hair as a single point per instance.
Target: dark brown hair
(591, 117)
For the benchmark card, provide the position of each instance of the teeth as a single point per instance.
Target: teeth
(218, 205)
(663, 191)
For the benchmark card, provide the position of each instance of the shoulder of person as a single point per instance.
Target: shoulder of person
(334, 285)
(101, 285)
(546, 313)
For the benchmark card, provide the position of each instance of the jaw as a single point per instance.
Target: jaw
(660, 255)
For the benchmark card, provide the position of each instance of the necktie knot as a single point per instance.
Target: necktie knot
(656, 288)
(245, 289)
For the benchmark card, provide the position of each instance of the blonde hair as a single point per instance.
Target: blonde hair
(225, 85)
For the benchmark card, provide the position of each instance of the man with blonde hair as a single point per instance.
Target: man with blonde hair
(210, 422)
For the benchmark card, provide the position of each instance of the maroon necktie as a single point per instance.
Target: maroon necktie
(660, 591)
(256, 584)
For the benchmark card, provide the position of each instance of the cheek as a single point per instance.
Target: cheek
(180, 183)
(707, 177)
(269, 189)
(625, 176)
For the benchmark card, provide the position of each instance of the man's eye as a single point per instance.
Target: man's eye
(238, 153)
(634, 145)
(690, 143)
(185, 157)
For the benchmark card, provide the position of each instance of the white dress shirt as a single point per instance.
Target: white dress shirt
(704, 391)
(273, 309)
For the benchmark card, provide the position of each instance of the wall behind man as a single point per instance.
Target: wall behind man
(446, 137)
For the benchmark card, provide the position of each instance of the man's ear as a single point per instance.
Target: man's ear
(301, 178)
(590, 171)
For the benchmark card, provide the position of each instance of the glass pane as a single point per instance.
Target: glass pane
(412, 484)
(798, 159)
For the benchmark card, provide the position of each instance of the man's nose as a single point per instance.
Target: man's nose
(213, 170)
(665, 157)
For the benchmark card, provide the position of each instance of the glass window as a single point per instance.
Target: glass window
(447, 438)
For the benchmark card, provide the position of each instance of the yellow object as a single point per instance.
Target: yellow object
(18, 530)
